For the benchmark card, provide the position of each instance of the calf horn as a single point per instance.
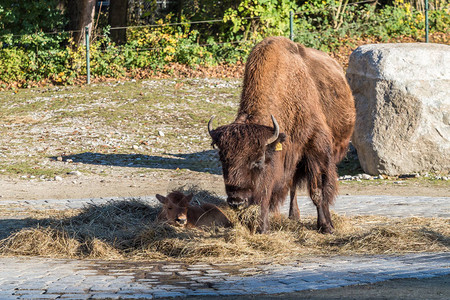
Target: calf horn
(210, 129)
(276, 131)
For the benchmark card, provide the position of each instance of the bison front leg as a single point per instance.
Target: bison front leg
(294, 211)
(264, 220)
(264, 216)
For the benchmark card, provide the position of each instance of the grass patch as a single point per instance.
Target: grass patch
(129, 230)
(119, 118)
(32, 169)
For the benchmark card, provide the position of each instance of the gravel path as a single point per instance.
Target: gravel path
(388, 206)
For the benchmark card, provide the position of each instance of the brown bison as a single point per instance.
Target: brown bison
(177, 211)
(294, 123)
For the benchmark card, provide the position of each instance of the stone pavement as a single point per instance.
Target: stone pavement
(45, 278)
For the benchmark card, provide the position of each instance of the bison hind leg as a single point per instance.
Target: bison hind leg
(324, 223)
(322, 190)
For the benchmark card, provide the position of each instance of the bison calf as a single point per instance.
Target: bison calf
(177, 211)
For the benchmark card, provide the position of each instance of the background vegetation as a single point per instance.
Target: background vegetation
(36, 45)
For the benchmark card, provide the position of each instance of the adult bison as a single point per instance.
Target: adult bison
(294, 124)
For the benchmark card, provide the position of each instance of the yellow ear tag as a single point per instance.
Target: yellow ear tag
(278, 147)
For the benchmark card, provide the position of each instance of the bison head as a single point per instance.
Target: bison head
(249, 154)
(175, 208)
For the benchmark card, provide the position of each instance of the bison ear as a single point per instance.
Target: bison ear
(214, 138)
(161, 198)
(282, 138)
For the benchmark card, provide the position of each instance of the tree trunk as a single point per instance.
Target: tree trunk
(81, 14)
(118, 18)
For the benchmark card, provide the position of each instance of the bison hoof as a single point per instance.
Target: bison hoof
(261, 231)
(262, 228)
(294, 216)
(326, 229)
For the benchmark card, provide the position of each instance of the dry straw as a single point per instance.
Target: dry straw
(129, 230)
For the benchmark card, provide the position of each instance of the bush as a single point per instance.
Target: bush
(255, 19)
(321, 24)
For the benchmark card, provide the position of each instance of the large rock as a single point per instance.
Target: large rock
(402, 98)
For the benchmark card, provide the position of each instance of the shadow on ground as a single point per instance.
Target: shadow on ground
(204, 161)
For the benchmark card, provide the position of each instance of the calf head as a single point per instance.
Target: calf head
(175, 207)
(249, 154)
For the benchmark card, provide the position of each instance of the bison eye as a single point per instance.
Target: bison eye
(259, 164)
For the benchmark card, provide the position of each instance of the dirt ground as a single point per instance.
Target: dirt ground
(129, 185)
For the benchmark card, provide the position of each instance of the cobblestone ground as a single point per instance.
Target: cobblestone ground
(43, 278)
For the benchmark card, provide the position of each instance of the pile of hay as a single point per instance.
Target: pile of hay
(129, 230)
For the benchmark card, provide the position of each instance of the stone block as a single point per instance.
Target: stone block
(402, 99)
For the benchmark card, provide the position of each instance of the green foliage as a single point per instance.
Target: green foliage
(22, 22)
(27, 54)
(397, 20)
(12, 64)
(254, 19)
(440, 20)
(327, 24)
(24, 17)
(30, 50)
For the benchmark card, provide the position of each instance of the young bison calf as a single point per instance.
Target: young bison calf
(177, 211)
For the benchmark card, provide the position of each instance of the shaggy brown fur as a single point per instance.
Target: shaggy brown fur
(177, 211)
(307, 93)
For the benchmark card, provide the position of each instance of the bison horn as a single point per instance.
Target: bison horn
(276, 131)
(210, 129)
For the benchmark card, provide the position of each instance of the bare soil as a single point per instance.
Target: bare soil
(122, 185)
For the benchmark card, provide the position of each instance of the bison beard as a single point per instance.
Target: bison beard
(294, 123)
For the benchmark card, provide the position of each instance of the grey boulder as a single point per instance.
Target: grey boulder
(402, 99)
